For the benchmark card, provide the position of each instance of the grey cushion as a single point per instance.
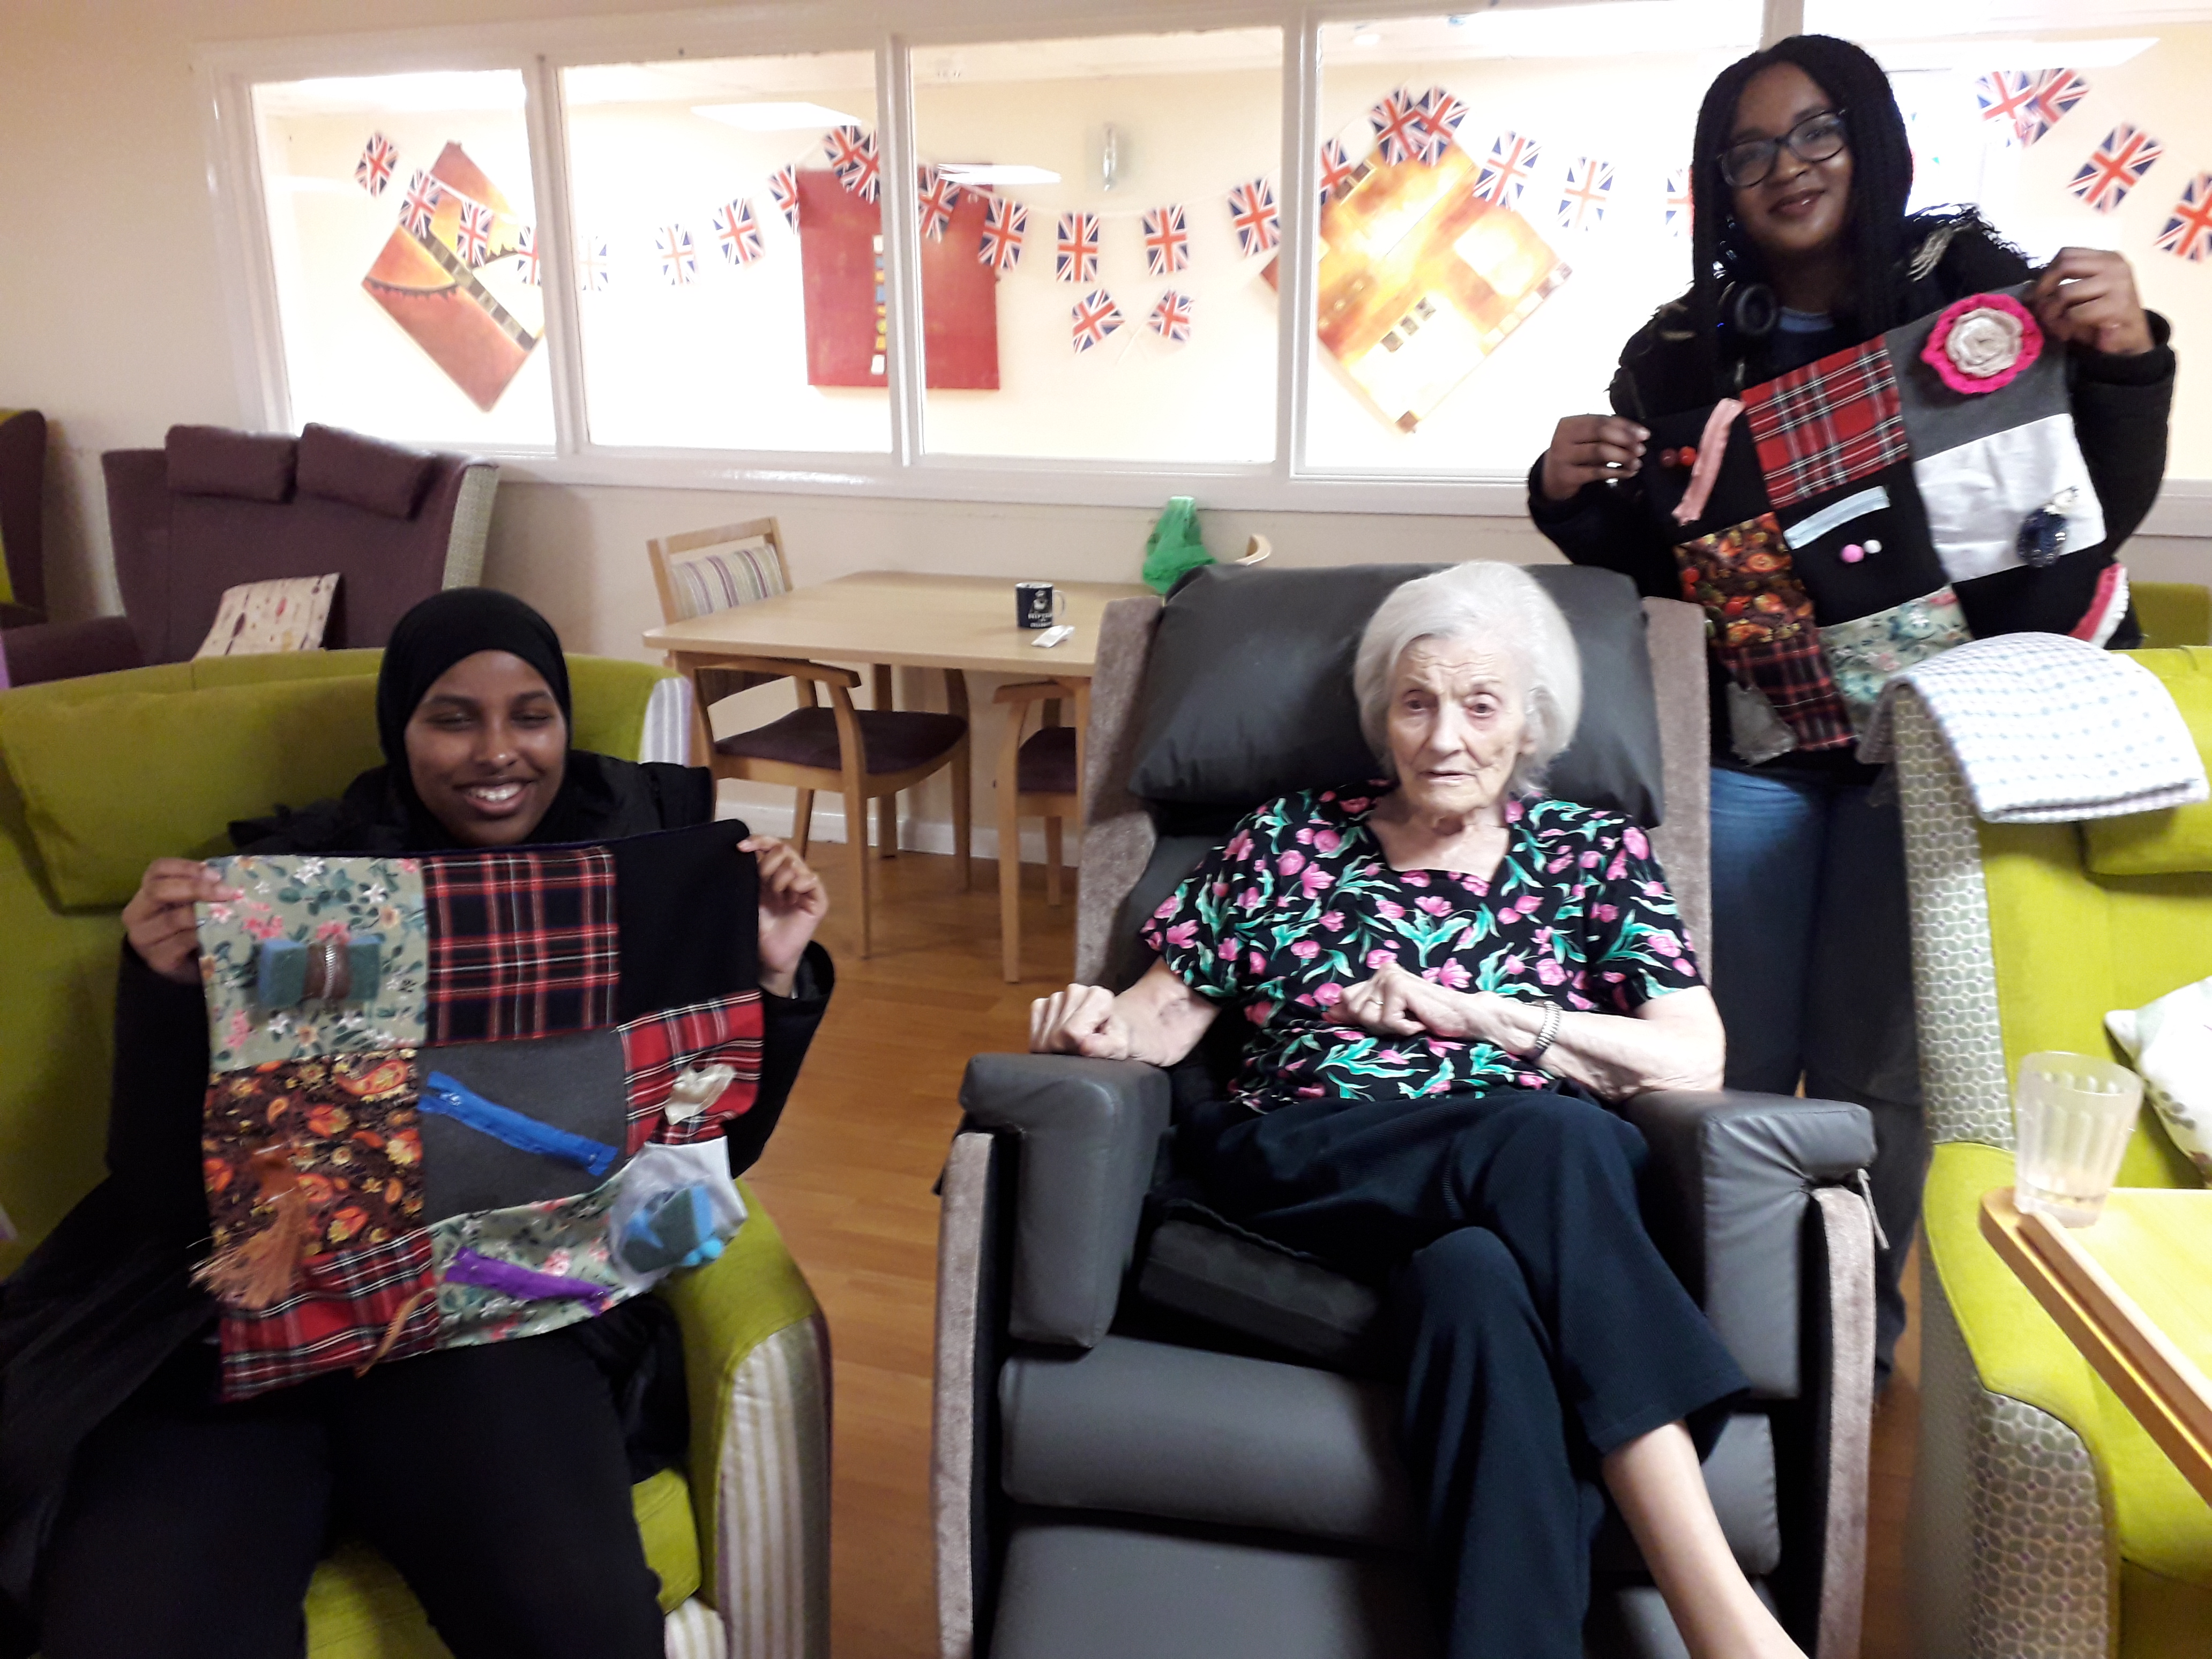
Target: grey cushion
(1234, 1279)
(1146, 1428)
(1074, 1590)
(1247, 695)
(1740, 1476)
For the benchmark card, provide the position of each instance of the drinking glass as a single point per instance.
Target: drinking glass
(2073, 1114)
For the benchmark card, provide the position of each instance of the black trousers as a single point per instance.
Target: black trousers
(1542, 1329)
(493, 1478)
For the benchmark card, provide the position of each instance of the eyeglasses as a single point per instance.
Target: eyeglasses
(1816, 138)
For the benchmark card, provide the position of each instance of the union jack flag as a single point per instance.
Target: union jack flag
(1095, 316)
(1338, 172)
(853, 159)
(596, 269)
(1440, 115)
(1398, 124)
(2117, 168)
(1589, 191)
(937, 197)
(738, 232)
(1078, 258)
(1167, 242)
(783, 186)
(2056, 91)
(1170, 318)
(525, 251)
(2188, 233)
(1252, 210)
(472, 235)
(373, 170)
(678, 262)
(1005, 224)
(1679, 219)
(2003, 94)
(1505, 172)
(419, 208)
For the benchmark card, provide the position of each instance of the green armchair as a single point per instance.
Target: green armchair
(97, 776)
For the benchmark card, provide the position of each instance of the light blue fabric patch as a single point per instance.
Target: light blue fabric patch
(1802, 534)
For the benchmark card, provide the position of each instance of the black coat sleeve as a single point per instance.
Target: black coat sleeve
(2121, 406)
(787, 1028)
(154, 1100)
(1608, 525)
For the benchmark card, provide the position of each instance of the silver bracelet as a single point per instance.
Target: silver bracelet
(1552, 1015)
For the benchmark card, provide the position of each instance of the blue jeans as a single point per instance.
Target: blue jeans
(1811, 961)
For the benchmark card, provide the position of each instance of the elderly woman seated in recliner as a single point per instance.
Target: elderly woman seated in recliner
(1447, 975)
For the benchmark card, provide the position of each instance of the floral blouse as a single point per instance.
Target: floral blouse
(1300, 905)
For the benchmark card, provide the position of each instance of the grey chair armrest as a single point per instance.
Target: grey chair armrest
(1727, 1194)
(1090, 1132)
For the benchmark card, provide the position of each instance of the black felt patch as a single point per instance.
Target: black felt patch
(1739, 492)
(1903, 566)
(572, 1082)
(690, 915)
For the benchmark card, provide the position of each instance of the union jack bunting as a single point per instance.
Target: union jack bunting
(1398, 126)
(472, 235)
(2188, 233)
(738, 232)
(2115, 168)
(2056, 91)
(526, 253)
(1440, 115)
(1167, 242)
(1588, 191)
(853, 159)
(783, 187)
(595, 269)
(419, 208)
(1677, 202)
(1006, 225)
(936, 196)
(1505, 172)
(1339, 173)
(2002, 95)
(678, 262)
(378, 159)
(1170, 318)
(1252, 210)
(1095, 316)
(1076, 260)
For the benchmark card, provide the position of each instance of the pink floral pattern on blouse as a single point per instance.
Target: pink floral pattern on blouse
(1299, 905)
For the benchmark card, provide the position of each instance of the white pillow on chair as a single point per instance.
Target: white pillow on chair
(2169, 1042)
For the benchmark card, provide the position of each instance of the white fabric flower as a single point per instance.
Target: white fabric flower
(1983, 343)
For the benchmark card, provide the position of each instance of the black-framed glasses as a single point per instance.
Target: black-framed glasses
(1816, 138)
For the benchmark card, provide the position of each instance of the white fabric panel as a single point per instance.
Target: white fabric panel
(772, 1536)
(695, 1631)
(1977, 495)
(667, 735)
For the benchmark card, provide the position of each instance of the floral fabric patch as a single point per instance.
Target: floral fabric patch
(1863, 653)
(1744, 579)
(565, 1239)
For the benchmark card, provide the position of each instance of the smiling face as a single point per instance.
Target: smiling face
(487, 748)
(1801, 208)
(1458, 725)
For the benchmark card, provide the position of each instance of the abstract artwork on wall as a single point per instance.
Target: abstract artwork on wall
(840, 247)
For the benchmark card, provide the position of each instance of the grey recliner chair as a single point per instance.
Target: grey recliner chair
(1158, 1436)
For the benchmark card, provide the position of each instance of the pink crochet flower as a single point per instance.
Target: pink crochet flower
(1982, 343)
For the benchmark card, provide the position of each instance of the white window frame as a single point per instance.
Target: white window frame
(540, 50)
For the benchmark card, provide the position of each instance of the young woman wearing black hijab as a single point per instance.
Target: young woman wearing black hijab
(139, 1518)
(1801, 246)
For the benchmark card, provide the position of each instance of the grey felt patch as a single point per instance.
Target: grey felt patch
(1937, 419)
(572, 1082)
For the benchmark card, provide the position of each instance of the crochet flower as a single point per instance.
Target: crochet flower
(1982, 342)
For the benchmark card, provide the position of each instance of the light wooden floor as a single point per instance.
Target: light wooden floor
(848, 1177)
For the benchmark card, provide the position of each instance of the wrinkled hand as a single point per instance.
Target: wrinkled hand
(1588, 447)
(1081, 1020)
(2086, 296)
(792, 905)
(159, 921)
(1396, 1003)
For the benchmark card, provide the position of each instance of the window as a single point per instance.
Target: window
(731, 277)
(399, 219)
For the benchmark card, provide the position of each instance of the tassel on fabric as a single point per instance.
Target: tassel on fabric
(397, 1324)
(258, 1271)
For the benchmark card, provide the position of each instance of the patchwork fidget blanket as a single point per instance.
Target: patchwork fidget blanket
(469, 1097)
(1826, 521)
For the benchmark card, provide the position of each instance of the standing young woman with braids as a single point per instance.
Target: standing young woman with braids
(1802, 247)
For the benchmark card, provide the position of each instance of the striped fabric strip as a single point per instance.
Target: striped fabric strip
(717, 578)
(667, 732)
(695, 1631)
(772, 1536)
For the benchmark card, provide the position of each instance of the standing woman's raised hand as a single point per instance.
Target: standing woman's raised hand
(1586, 449)
(2086, 296)
(160, 921)
(792, 905)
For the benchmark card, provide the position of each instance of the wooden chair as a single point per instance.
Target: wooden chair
(1040, 777)
(864, 754)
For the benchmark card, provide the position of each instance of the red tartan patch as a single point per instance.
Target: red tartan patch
(339, 1318)
(1817, 427)
(655, 1049)
(522, 945)
(1792, 674)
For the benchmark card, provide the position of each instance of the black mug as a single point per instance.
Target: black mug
(1036, 604)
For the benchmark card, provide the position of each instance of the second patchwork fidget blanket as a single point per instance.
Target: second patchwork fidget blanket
(1826, 521)
(468, 1097)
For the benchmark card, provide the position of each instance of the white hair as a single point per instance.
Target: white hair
(1498, 605)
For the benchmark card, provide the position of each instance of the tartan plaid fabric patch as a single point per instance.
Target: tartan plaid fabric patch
(340, 1316)
(659, 1049)
(521, 944)
(1817, 427)
(1792, 674)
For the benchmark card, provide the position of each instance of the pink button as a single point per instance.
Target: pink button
(1853, 553)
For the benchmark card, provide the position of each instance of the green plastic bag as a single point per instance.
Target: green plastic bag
(1174, 549)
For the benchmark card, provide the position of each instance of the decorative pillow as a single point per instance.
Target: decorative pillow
(214, 461)
(469, 1097)
(288, 613)
(363, 472)
(2169, 1042)
(716, 578)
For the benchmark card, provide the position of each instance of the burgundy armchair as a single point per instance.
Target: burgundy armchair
(22, 514)
(214, 508)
